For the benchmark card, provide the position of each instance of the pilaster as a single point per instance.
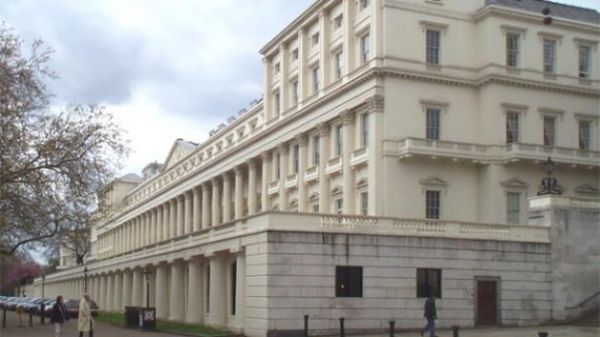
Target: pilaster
(324, 130)
(348, 173)
(239, 193)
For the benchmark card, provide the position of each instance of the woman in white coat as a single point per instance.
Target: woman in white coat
(85, 320)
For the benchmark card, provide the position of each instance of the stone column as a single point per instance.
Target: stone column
(302, 144)
(226, 197)
(194, 293)
(348, 173)
(96, 290)
(216, 196)
(284, 81)
(324, 191)
(161, 291)
(205, 206)
(218, 295)
(348, 23)
(109, 292)
(136, 288)
(102, 293)
(176, 300)
(266, 179)
(159, 223)
(375, 148)
(303, 47)
(268, 107)
(126, 289)
(165, 224)
(283, 173)
(173, 224)
(196, 216)
(324, 24)
(180, 210)
(118, 292)
(240, 289)
(251, 186)
(187, 228)
(153, 225)
(239, 193)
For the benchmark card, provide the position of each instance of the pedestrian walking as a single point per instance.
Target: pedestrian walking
(430, 314)
(85, 320)
(59, 316)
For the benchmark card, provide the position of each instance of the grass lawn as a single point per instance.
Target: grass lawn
(118, 318)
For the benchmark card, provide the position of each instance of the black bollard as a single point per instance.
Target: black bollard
(42, 316)
(4, 318)
(342, 334)
(305, 325)
(542, 334)
(30, 319)
(455, 331)
(392, 323)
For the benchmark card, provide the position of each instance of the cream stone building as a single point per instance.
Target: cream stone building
(395, 151)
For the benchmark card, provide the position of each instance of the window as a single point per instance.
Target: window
(233, 276)
(315, 39)
(433, 46)
(432, 204)
(348, 281)
(549, 56)
(433, 124)
(337, 22)
(339, 206)
(363, 4)
(277, 68)
(316, 150)
(365, 48)
(207, 288)
(315, 208)
(364, 129)
(584, 61)
(295, 91)
(295, 54)
(429, 282)
(512, 127)
(339, 64)
(513, 208)
(364, 203)
(512, 49)
(585, 135)
(277, 102)
(296, 165)
(277, 166)
(338, 140)
(316, 74)
(549, 130)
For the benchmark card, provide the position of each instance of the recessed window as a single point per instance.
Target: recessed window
(348, 281)
(585, 135)
(207, 289)
(549, 56)
(233, 284)
(296, 156)
(513, 208)
(339, 205)
(364, 130)
(316, 150)
(277, 166)
(365, 48)
(433, 123)
(432, 204)
(316, 77)
(429, 282)
(295, 92)
(339, 64)
(549, 130)
(512, 127)
(512, 49)
(584, 61)
(295, 54)
(277, 67)
(364, 4)
(277, 102)
(337, 22)
(315, 208)
(338, 140)
(433, 46)
(364, 203)
(315, 39)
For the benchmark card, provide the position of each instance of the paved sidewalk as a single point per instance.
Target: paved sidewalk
(553, 331)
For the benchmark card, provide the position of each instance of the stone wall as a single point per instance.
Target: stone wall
(300, 280)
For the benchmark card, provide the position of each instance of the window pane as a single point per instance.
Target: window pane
(364, 203)
(584, 61)
(348, 281)
(549, 55)
(339, 140)
(365, 46)
(433, 47)
(433, 124)
(365, 130)
(429, 281)
(513, 207)
(512, 127)
(549, 130)
(316, 150)
(233, 283)
(585, 130)
(512, 50)
(432, 204)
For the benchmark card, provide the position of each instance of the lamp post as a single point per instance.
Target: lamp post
(147, 272)
(85, 271)
(43, 284)
(549, 183)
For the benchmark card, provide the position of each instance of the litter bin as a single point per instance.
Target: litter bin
(147, 318)
(132, 317)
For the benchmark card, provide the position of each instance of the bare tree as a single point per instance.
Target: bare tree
(52, 163)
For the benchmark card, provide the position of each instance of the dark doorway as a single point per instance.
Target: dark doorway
(487, 302)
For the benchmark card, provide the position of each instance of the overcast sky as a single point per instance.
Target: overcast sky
(167, 69)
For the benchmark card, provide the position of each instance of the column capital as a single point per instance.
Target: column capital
(283, 147)
(375, 103)
(238, 170)
(226, 176)
(266, 156)
(251, 163)
(323, 129)
(347, 117)
(301, 138)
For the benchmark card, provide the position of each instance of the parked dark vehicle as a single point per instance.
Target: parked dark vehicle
(73, 308)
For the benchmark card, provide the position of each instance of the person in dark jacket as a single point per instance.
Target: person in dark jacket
(59, 316)
(430, 314)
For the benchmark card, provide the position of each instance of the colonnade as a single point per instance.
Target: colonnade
(258, 185)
